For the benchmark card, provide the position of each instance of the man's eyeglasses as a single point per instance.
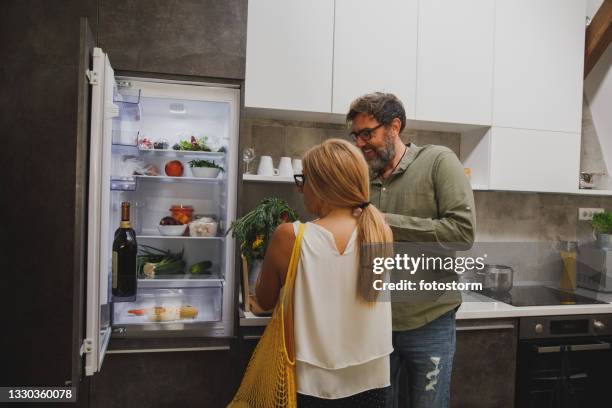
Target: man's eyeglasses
(364, 134)
(299, 180)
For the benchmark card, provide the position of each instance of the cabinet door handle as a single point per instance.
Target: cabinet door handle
(486, 327)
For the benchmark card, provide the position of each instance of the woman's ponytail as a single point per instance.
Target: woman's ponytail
(375, 240)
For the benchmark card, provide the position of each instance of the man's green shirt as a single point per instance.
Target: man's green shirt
(427, 199)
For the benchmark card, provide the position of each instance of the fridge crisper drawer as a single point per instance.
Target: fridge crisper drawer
(170, 306)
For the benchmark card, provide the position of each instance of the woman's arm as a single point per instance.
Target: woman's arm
(275, 264)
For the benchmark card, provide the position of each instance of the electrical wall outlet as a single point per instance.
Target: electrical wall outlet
(586, 214)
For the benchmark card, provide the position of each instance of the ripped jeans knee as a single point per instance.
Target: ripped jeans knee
(421, 364)
(432, 376)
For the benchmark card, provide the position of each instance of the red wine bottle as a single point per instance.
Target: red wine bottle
(124, 256)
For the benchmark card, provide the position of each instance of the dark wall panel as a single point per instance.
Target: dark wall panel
(38, 118)
(182, 37)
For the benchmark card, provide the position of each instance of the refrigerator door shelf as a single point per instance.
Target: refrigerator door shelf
(124, 150)
(128, 138)
(123, 184)
(126, 95)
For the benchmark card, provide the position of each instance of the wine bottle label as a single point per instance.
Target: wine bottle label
(115, 259)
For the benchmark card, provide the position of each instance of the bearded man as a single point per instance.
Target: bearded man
(426, 198)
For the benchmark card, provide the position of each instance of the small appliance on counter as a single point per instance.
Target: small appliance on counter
(594, 268)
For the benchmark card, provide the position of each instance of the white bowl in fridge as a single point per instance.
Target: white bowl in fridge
(172, 230)
(205, 172)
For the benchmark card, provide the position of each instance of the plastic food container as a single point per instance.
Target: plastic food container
(203, 228)
(182, 213)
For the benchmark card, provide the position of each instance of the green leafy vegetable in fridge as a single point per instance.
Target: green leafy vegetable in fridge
(200, 268)
(205, 163)
(152, 262)
(193, 144)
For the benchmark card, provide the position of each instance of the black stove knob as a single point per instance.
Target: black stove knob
(598, 325)
(538, 328)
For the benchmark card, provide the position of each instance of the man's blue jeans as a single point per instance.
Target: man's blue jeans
(422, 360)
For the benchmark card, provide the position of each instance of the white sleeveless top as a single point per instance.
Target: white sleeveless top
(342, 344)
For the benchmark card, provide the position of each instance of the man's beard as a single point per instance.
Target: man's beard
(384, 155)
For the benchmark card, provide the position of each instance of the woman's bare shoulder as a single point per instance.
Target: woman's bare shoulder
(282, 240)
(284, 231)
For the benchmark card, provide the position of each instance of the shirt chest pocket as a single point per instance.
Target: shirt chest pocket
(418, 202)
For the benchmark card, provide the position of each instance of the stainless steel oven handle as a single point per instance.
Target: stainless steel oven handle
(590, 347)
(485, 327)
(547, 349)
(573, 347)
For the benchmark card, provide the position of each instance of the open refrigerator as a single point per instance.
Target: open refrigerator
(136, 126)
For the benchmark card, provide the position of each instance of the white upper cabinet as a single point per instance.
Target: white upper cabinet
(539, 53)
(375, 50)
(534, 160)
(455, 61)
(289, 55)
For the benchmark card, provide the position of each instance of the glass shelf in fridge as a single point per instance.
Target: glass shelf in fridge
(173, 153)
(181, 179)
(182, 281)
(178, 237)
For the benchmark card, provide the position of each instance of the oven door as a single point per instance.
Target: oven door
(563, 373)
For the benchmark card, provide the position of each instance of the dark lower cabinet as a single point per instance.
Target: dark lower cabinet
(484, 368)
(183, 379)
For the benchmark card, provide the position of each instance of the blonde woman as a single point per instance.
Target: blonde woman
(342, 333)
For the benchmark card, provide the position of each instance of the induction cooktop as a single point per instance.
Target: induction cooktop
(540, 296)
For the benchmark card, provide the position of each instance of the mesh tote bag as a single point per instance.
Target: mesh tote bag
(269, 379)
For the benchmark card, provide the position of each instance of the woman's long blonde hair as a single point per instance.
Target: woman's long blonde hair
(337, 174)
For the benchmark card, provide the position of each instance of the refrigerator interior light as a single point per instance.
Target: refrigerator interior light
(177, 108)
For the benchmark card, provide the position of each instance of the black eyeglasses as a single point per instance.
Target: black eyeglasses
(364, 134)
(299, 180)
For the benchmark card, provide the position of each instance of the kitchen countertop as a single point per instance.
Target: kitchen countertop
(478, 306)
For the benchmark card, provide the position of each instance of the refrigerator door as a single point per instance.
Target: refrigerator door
(98, 328)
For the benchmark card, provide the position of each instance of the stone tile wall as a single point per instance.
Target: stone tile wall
(539, 220)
